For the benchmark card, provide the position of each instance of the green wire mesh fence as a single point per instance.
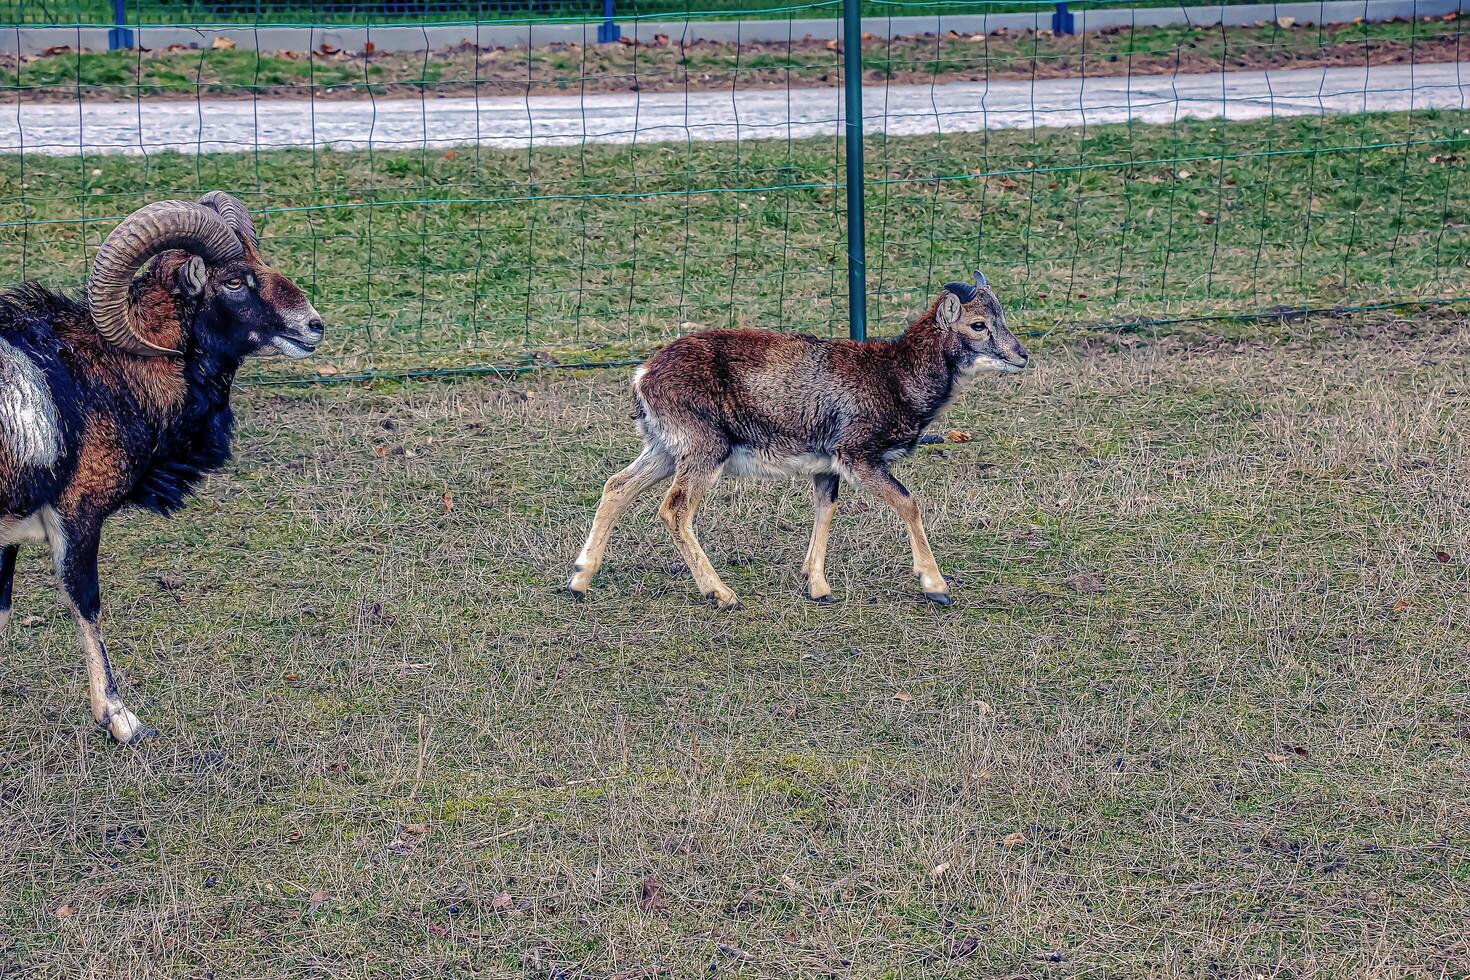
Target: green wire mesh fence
(464, 201)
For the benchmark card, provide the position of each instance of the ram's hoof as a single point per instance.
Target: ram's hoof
(125, 728)
(578, 595)
(143, 734)
(825, 600)
(938, 598)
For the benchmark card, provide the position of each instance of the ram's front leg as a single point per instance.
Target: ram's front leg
(74, 548)
(7, 580)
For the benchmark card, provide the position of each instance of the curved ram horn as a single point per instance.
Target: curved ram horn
(236, 215)
(142, 235)
(980, 280)
(963, 290)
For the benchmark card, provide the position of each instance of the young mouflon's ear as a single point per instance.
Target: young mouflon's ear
(949, 310)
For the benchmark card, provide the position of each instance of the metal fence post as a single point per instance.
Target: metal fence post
(852, 75)
(607, 31)
(119, 37)
(1062, 22)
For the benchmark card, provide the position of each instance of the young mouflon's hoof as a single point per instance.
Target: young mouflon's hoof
(938, 598)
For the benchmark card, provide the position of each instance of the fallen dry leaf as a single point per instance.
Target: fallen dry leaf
(32, 621)
(1284, 22)
(1442, 557)
(955, 435)
(223, 43)
(903, 696)
(317, 900)
(502, 902)
(650, 895)
(447, 502)
(1277, 757)
(1087, 583)
(938, 870)
(415, 828)
(63, 912)
(1014, 839)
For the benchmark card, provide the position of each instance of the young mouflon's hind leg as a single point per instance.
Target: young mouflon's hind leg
(622, 488)
(814, 568)
(691, 484)
(75, 551)
(7, 580)
(878, 481)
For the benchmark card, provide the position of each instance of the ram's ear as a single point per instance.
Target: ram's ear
(192, 275)
(949, 310)
(185, 273)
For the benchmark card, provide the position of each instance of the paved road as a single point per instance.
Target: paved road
(234, 126)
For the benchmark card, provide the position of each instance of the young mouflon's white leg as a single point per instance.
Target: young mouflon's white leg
(882, 484)
(677, 512)
(814, 568)
(622, 488)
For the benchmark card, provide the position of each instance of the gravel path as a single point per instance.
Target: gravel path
(236, 126)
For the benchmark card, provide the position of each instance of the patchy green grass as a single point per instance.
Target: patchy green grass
(1202, 706)
(672, 65)
(393, 12)
(451, 258)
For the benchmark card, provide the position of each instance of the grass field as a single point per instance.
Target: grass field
(671, 65)
(450, 258)
(390, 12)
(1202, 707)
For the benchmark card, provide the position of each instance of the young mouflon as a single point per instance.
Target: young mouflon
(758, 403)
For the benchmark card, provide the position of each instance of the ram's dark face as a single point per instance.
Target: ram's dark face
(975, 316)
(248, 308)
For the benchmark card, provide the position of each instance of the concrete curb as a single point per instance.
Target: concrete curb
(33, 40)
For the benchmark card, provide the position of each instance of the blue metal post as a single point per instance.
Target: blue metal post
(1062, 22)
(119, 37)
(852, 76)
(607, 31)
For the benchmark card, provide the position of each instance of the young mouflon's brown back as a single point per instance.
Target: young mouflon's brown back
(758, 403)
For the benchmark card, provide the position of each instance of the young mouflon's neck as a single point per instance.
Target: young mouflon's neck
(929, 369)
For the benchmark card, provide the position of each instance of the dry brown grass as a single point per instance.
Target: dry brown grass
(1245, 755)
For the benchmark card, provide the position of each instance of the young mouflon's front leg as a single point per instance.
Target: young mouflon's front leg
(882, 484)
(74, 548)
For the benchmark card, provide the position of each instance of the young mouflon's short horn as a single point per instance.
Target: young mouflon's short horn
(963, 290)
(980, 280)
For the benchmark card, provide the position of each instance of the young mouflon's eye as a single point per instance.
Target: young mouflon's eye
(234, 283)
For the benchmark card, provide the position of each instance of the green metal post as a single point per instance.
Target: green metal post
(852, 72)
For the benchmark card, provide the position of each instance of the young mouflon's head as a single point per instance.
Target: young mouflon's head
(209, 257)
(973, 316)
